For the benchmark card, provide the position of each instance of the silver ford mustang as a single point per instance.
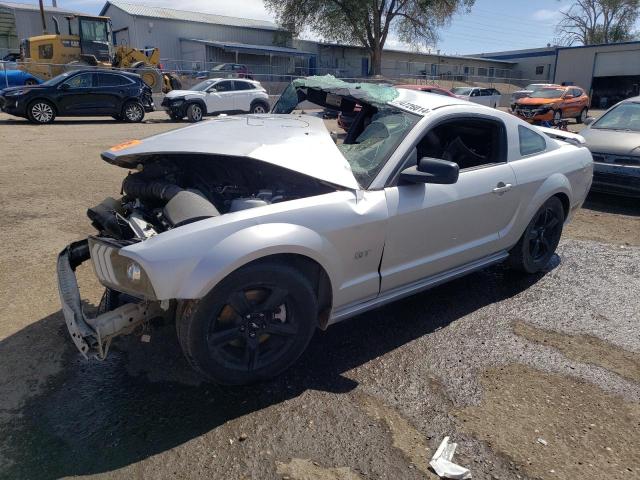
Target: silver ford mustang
(252, 231)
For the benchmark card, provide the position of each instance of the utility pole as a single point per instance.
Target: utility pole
(44, 23)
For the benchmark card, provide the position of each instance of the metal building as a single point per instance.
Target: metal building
(21, 20)
(190, 40)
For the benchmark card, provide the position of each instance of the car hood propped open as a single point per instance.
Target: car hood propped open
(300, 143)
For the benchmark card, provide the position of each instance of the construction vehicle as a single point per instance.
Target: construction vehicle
(88, 43)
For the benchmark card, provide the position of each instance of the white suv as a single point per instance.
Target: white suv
(217, 95)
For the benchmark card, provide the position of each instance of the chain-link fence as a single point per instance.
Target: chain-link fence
(186, 74)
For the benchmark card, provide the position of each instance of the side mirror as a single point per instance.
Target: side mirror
(65, 86)
(432, 170)
(589, 120)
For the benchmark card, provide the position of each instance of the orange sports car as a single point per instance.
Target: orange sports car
(553, 104)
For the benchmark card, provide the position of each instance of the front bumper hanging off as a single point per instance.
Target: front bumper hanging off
(93, 335)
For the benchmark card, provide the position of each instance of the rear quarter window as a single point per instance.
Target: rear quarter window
(530, 142)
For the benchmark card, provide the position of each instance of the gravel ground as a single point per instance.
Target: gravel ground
(534, 377)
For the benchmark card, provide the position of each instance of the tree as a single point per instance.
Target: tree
(589, 22)
(368, 23)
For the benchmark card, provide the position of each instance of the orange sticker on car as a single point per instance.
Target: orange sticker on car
(123, 145)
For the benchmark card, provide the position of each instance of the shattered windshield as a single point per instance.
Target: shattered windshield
(373, 147)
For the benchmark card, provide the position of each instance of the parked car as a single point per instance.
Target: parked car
(483, 96)
(231, 70)
(427, 88)
(252, 231)
(553, 104)
(528, 90)
(216, 95)
(12, 76)
(614, 141)
(123, 96)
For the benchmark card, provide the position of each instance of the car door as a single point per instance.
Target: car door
(434, 228)
(220, 97)
(245, 92)
(110, 91)
(74, 95)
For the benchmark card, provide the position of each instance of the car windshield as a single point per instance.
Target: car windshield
(548, 93)
(56, 80)
(373, 147)
(461, 90)
(202, 86)
(625, 116)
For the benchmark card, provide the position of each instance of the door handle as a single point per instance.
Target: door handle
(502, 188)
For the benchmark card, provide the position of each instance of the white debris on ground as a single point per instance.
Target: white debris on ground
(442, 464)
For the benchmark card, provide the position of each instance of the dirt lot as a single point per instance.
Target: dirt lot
(534, 377)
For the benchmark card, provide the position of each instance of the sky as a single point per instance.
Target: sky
(492, 25)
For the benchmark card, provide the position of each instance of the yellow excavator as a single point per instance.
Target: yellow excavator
(87, 43)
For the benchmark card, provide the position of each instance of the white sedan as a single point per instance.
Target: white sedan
(214, 96)
(482, 96)
(252, 231)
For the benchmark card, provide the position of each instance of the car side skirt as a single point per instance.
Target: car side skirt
(352, 310)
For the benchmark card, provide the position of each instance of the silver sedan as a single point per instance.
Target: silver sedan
(252, 231)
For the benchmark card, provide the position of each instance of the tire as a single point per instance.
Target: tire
(41, 112)
(259, 107)
(271, 324)
(583, 115)
(133, 112)
(540, 239)
(194, 112)
(557, 116)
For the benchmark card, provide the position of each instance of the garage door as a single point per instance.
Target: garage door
(612, 64)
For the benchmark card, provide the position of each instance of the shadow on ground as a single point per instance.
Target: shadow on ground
(95, 417)
(602, 202)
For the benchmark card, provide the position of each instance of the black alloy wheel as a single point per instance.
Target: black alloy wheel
(539, 241)
(252, 326)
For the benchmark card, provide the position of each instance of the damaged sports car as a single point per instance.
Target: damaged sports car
(252, 231)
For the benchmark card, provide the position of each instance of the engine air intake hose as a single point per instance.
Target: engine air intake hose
(136, 186)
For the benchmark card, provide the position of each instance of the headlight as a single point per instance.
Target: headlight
(118, 272)
(14, 93)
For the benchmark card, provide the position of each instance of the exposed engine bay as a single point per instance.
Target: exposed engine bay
(169, 191)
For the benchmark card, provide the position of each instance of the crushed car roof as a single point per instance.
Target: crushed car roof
(300, 143)
(332, 92)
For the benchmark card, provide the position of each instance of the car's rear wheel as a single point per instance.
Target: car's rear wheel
(540, 239)
(133, 112)
(557, 116)
(259, 107)
(194, 112)
(41, 111)
(250, 327)
(583, 115)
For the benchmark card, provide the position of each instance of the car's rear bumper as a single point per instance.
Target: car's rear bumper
(616, 179)
(93, 335)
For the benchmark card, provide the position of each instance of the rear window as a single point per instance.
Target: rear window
(111, 80)
(243, 85)
(530, 141)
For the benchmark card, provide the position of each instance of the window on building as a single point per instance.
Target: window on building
(540, 70)
(530, 141)
(482, 72)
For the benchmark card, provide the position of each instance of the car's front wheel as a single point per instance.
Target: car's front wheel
(133, 112)
(41, 111)
(540, 239)
(251, 327)
(194, 113)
